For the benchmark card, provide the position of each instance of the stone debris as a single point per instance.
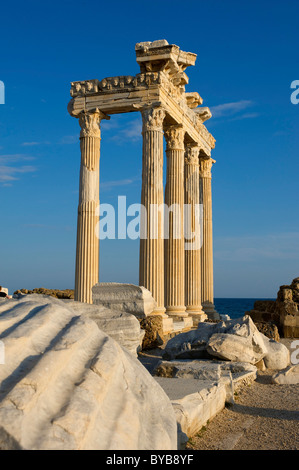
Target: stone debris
(56, 293)
(66, 385)
(268, 329)
(288, 376)
(283, 312)
(235, 340)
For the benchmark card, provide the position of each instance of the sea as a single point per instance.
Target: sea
(235, 308)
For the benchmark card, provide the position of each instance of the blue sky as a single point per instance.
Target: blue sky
(247, 59)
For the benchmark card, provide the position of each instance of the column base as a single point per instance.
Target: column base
(210, 311)
(182, 324)
(198, 317)
(178, 312)
(197, 314)
(167, 325)
(160, 311)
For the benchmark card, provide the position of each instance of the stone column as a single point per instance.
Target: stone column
(151, 267)
(87, 254)
(193, 236)
(207, 282)
(174, 239)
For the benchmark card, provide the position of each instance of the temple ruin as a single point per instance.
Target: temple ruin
(181, 281)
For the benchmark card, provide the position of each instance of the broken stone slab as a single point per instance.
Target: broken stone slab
(66, 385)
(287, 376)
(195, 402)
(234, 374)
(189, 369)
(199, 389)
(124, 297)
(201, 369)
(123, 327)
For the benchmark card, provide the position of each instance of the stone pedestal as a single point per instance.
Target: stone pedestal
(174, 239)
(151, 267)
(193, 237)
(207, 284)
(87, 254)
(124, 298)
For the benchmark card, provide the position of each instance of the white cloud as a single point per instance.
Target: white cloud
(230, 109)
(33, 144)
(9, 172)
(131, 132)
(106, 185)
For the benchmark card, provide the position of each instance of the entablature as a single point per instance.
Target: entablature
(161, 83)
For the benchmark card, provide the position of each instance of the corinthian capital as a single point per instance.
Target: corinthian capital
(174, 136)
(152, 119)
(191, 155)
(205, 166)
(90, 123)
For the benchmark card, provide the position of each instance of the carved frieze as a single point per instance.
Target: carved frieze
(161, 82)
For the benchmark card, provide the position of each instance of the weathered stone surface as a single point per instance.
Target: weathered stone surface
(240, 342)
(236, 348)
(195, 369)
(153, 331)
(283, 312)
(268, 329)
(123, 327)
(260, 365)
(277, 357)
(124, 297)
(67, 385)
(288, 376)
(195, 402)
(264, 305)
(202, 369)
(258, 316)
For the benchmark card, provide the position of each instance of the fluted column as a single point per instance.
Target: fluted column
(87, 253)
(151, 267)
(174, 239)
(207, 281)
(193, 237)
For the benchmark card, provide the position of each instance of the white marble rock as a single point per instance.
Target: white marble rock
(67, 385)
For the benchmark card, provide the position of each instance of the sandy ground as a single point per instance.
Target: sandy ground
(264, 417)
